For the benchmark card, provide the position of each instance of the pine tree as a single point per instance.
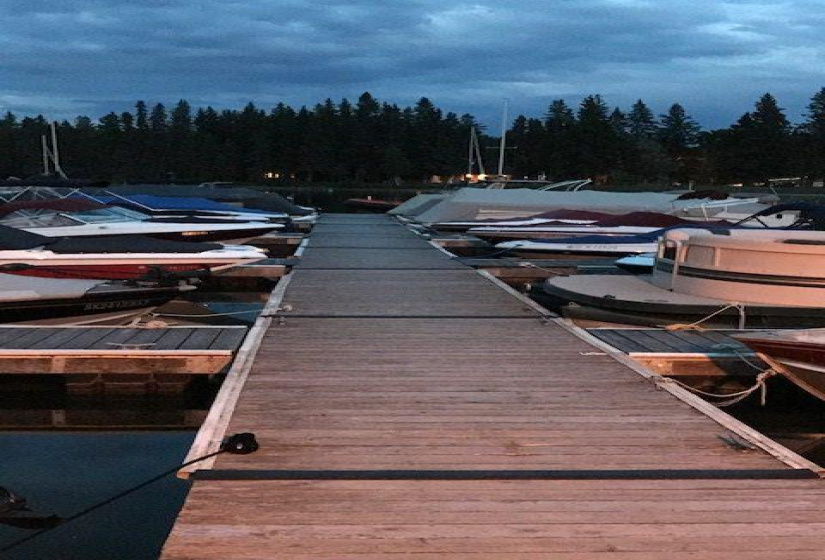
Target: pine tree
(812, 138)
(678, 131)
(641, 122)
(597, 144)
(141, 116)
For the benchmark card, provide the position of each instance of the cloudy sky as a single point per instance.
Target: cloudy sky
(68, 57)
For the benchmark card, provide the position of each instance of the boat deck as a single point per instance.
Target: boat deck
(407, 406)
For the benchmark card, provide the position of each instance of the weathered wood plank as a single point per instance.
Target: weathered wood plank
(228, 339)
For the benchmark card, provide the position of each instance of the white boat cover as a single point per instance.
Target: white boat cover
(15, 287)
(476, 204)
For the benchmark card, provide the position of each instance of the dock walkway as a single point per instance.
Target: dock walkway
(408, 406)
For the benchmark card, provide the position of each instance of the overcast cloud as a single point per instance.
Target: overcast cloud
(68, 57)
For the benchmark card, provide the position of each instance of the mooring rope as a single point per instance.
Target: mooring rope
(161, 314)
(548, 270)
(696, 324)
(732, 398)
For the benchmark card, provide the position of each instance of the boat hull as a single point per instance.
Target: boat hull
(630, 300)
(148, 270)
(115, 305)
(802, 363)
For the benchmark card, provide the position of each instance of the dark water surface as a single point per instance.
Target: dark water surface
(65, 472)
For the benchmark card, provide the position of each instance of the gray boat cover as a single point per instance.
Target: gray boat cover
(14, 287)
(417, 204)
(252, 198)
(474, 204)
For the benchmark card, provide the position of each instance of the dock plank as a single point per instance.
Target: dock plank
(86, 339)
(401, 293)
(228, 339)
(62, 336)
(200, 339)
(172, 339)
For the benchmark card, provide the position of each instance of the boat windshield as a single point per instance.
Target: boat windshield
(128, 213)
(43, 218)
(38, 219)
(105, 215)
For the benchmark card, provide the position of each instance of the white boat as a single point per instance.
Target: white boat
(189, 207)
(734, 278)
(589, 246)
(75, 218)
(470, 204)
(116, 257)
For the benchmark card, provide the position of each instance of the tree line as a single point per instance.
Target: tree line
(373, 141)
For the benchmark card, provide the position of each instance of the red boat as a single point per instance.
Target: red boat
(799, 355)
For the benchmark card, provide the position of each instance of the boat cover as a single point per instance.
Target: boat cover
(14, 287)
(473, 204)
(417, 204)
(127, 244)
(652, 219)
(255, 198)
(143, 201)
(12, 239)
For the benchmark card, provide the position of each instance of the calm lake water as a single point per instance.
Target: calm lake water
(65, 472)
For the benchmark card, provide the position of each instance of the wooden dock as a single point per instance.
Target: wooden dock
(410, 407)
(706, 353)
(97, 359)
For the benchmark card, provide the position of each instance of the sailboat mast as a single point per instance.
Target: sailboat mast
(503, 145)
(45, 147)
(470, 152)
(55, 152)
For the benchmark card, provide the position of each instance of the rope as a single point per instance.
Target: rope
(735, 305)
(732, 398)
(548, 270)
(495, 254)
(161, 314)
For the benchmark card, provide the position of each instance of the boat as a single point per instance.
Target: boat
(55, 301)
(633, 223)
(469, 204)
(189, 207)
(80, 218)
(642, 263)
(586, 246)
(117, 257)
(799, 355)
(717, 278)
(246, 197)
